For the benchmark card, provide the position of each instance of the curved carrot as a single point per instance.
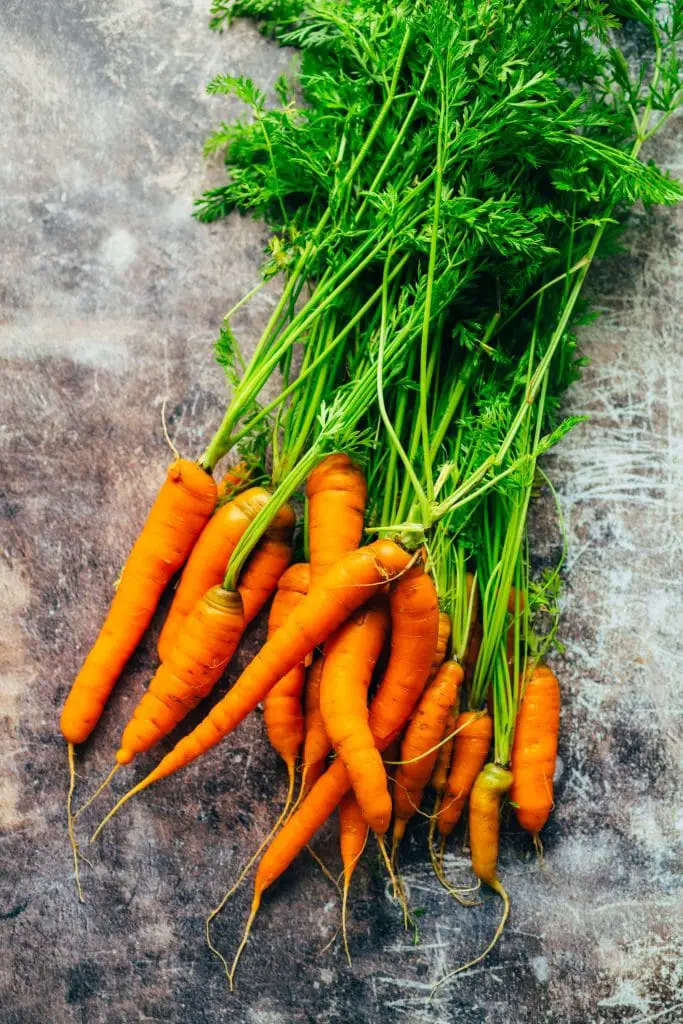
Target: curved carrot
(205, 644)
(336, 493)
(282, 713)
(353, 835)
(316, 741)
(350, 658)
(345, 587)
(470, 750)
(535, 749)
(260, 576)
(420, 749)
(177, 517)
(206, 565)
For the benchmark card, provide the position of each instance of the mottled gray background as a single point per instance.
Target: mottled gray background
(111, 297)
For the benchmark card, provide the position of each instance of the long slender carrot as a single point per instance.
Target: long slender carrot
(353, 835)
(470, 750)
(420, 749)
(177, 517)
(207, 640)
(316, 741)
(260, 576)
(345, 587)
(492, 783)
(535, 749)
(206, 565)
(282, 712)
(350, 658)
(336, 493)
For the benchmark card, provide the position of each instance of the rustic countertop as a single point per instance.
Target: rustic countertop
(112, 295)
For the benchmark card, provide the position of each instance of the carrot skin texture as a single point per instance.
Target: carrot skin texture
(535, 749)
(206, 565)
(470, 750)
(427, 727)
(490, 786)
(337, 494)
(443, 639)
(235, 480)
(207, 641)
(269, 560)
(175, 521)
(389, 711)
(353, 833)
(350, 658)
(316, 741)
(282, 713)
(345, 587)
(442, 765)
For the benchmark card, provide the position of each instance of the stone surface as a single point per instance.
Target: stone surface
(111, 297)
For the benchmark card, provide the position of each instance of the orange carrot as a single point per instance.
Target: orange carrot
(470, 750)
(205, 644)
(535, 749)
(344, 589)
(207, 563)
(177, 517)
(353, 835)
(441, 643)
(282, 712)
(271, 557)
(419, 749)
(442, 765)
(316, 741)
(336, 493)
(234, 481)
(350, 658)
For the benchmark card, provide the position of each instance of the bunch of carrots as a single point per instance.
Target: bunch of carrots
(433, 245)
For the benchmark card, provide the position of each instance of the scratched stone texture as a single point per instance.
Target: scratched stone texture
(111, 298)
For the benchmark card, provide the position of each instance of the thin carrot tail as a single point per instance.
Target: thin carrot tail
(256, 903)
(152, 777)
(345, 935)
(323, 866)
(498, 887)
(70, 820)
(100, 789)
(245, 871)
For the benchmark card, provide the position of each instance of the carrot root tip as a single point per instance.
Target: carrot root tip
(70, 820)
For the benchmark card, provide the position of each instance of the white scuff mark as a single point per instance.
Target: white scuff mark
(119, 250)
(626, 994)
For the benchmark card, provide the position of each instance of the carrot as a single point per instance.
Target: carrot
(345, 587)
(271, 557)
(443, 639)
(419, 750)
(492, 783)
(534, 750)
(470, 750)
(177, 517)
(234, 481)
(442, 765)
(473, 648)
(353, 835)
(336, 492)
(205, 644)
(316, 742)
(282, 712)
(350, 658)
(206, 565)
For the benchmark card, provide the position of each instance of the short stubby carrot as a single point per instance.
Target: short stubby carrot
(260, 576)
(470, 750)
(535, 749)
(207, 563)
(336, 492)
(282, 711)
(204, 646)
(419, 749)
(350, 658)
(176, 519)
(346, 586)
(316, 741)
